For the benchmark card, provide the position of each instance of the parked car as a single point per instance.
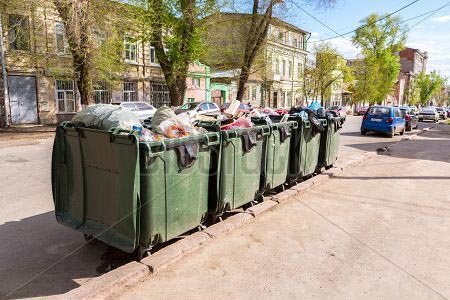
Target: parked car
(142, 109)
(243, 107)
(428, 113)
(414, 109)
(383, 119)
(448, 112)
(362, 110)
(339, 110)
(442, 113)
(411, 120)
(202, 108)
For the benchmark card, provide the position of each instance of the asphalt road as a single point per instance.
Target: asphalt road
(40, 257)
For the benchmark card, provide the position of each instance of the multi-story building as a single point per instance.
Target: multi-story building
(41, 85)
(412, 61)
(277, 75)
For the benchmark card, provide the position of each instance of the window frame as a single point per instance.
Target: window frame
(154, 61)
(129, 95)
(61, 32)
(102, 90)
(128, 43)
(64, 92)
(194, 82)
(12, 45)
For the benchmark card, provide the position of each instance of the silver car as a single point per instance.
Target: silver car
(442, 112)
(143, 110)
(201, 108)
(429, 113)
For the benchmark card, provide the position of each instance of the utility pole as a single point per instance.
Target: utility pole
(4, 114)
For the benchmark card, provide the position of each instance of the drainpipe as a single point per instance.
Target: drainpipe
(5, 77)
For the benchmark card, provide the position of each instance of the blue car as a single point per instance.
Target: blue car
(383, 119)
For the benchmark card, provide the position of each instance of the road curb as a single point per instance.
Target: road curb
(102, 287)
(112, 282)
(174, 252)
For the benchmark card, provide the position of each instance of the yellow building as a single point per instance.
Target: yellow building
(37, 67)
(278, 71)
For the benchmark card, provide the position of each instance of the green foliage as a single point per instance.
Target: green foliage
(380, 43)
(429, 85)
(330, 70)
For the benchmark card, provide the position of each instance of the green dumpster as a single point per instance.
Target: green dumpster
(329, 142)
(277, 157)
(129, 194)
(238, 165)
(304, 150)
(174, 193)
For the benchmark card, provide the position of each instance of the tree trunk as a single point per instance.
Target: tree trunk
(255, 38)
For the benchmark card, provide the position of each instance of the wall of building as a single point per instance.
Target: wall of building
(43, 62)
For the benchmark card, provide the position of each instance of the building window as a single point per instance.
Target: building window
(152, 55)
(289, 99)
(18, 33)
(196, 81)
(65, 95)
(254, 92)
(61, 40)
(299, 70)
(130, 50)
(295, 43)
(284, 68)
(290, 69)
(129, 91)
(102, 92)
(159, 94)
(277, 66)
(190, 99)
(283, 99)
(300, 43)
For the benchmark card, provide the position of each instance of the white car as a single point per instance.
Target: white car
(201, 108)
(142, 109)
(429, 113)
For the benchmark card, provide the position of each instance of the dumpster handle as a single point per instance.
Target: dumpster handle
(229, 134)
(294, 125)
(265, 130)
(158, 149)
(307, 124)
(212, 139)
(118, 130)
(324, 122)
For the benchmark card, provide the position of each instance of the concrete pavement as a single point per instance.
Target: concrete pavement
(40, 257)
(379, 230)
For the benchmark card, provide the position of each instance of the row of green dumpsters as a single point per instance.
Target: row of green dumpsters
(134, 195)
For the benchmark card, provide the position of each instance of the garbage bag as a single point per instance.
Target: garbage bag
(315, 105)
(106, 117)
(162, 114)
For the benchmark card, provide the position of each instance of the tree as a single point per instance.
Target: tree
(78, 19)
(429, 85)
(330, 68)
(380, 39)
(260, 19)
(174, 29)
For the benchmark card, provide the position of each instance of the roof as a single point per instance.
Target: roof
(423, 54)
(275, 20)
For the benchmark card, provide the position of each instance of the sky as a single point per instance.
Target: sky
(429, 33)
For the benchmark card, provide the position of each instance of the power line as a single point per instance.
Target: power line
(430, 13)
(361, 27)
(312, 16)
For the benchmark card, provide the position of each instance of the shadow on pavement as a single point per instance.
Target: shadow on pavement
(36, 259)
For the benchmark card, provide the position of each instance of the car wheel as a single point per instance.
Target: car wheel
(392, 134)
(420, 120)
(363, 132)
(408, 128)
(403, 131)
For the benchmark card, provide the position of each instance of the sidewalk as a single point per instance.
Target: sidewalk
(379, 230)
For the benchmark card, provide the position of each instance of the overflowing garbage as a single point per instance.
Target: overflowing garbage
(171, 173)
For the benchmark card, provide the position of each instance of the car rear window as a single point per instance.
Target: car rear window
(382, 111)
(439, 109)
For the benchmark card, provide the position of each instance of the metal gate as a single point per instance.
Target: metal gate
(22, 99)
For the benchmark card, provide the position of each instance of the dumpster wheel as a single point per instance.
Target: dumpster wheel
(142, 252)
(89, 238)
